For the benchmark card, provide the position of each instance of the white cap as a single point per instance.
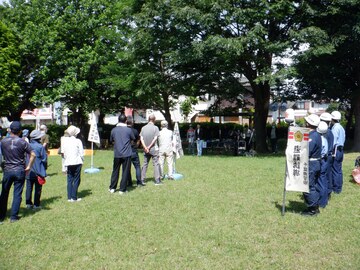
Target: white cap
(326, 116)
(43, 127)
(322, 127)
(313, 120)
(336, 115)
(290, 115)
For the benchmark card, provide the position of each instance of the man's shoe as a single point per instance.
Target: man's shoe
(37, 207)
(73, 200)
(29, 206)
(311, 211)
(123, 192)
(158, 183)
(12, 220)
(141, 184)
(112, 190)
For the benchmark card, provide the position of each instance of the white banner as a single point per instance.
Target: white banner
(297, 160)
(177, 142)
(93, 132)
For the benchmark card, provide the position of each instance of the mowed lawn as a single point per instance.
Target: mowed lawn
(224, 214)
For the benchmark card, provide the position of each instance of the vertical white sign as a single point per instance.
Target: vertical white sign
(297, 160)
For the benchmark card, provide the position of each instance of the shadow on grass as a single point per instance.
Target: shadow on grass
(45, 203)
(52, 174)
(293, 206)
(84, 193)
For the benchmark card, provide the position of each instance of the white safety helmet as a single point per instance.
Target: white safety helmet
(336, 115)
(313, 120)
(289, 115)
(322, 127)
(326, 117)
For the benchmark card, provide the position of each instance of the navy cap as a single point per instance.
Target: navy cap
(15, 127)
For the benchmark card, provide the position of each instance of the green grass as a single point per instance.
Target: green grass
(224, 214)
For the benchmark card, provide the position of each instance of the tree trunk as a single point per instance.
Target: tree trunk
(166, 111)
(262, 99)
(356, 105)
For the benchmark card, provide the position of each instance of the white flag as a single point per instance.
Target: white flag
(177, 142)
(297, 160)
(93, 132)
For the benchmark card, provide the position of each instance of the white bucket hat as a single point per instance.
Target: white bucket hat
(72, 130)
(313, 120)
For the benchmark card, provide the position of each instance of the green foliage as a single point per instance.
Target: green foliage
(9, 68)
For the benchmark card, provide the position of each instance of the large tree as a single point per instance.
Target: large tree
(243, 38)
(64, 45)
(9, 69)
(330, 68)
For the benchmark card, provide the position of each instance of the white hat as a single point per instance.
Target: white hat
(313, 120)
(72, 130)
(325, 116)
(322, 127)
(43, 127)
(336, 115)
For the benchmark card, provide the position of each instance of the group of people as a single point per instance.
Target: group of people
(25, 160)
(195, 136)
(158, 146)
(326, 153)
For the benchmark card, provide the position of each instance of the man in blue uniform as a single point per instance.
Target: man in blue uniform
(312, 198)
(326, 117)
(322, 186)
(338, 151)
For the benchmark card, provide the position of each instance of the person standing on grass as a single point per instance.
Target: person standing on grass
(148, 137)
(135, 156)
(166, 150)
(121, 136)
(190, 136)
(45, 140)
(338, 151)
(73, 152)
(14, 150)
(326, 117)
(312, 198)
(38, 169)
(199, 139)
(323, 179)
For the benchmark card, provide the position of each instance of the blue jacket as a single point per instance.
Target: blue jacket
(38, 167)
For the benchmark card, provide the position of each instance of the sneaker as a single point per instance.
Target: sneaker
(112, 190)
(29, 206)
(311, 211)
(141, 184)
(12, 220)
(73, 200)
(158, 183)
(123, 192)
(37, 207)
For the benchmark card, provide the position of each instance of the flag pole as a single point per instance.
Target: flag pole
(92, 154)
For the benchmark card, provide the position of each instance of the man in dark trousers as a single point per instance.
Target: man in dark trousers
(121, 136)
(135, 156)
(312, 198)
(14, 150)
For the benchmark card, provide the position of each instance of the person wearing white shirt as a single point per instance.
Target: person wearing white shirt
(73, 152)
(166, 150)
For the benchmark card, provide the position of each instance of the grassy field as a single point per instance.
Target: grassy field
(224, 214)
